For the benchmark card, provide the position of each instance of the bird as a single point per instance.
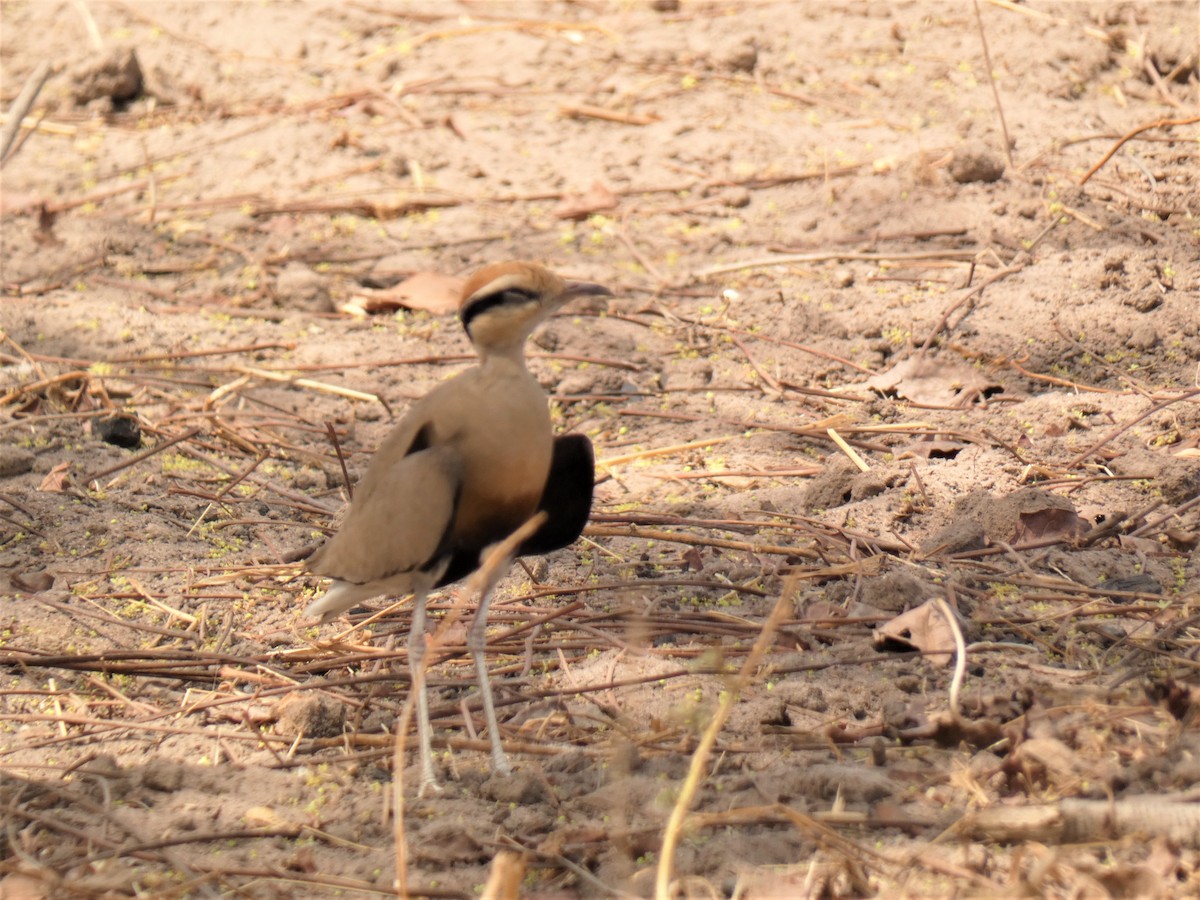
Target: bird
(468, 464)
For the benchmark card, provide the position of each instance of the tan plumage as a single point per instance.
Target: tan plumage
(469, 463)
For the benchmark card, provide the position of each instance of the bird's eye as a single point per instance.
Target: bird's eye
(517, 295)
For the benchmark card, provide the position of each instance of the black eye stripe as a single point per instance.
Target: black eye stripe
(479, 305)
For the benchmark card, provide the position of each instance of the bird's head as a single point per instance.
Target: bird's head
(503, 303)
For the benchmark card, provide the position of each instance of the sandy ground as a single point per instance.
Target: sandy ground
(864, 367)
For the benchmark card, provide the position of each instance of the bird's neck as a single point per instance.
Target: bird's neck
(502, 360)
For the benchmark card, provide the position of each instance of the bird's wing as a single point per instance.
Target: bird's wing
(567, 497)
(401, 512)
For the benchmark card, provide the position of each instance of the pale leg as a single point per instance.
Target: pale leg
(477, 644)
(416, 667)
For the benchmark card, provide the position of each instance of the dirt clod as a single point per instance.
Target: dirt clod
(310, 716)
(15, 460)
(832, 487)
(120, 431)
(116, 78)
(519, 787)
(740, 56)
(894, 591)
(1179, 481)
(1145, 299)
(162, 775)
(976, 162)
(299, 287)
(1144, 337)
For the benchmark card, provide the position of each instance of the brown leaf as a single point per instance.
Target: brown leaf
(1182, 539)
(57, 480)
(429, 291)
(923, 628)
(943, 384)
(1049, 524)
(33, 583)
(597, 198)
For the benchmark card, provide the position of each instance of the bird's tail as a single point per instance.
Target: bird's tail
(340, 597)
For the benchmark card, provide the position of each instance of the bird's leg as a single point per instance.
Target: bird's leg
(493, 566)
(416, 667)
(477, 644)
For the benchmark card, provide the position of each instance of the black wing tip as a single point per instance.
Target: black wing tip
(567, 499)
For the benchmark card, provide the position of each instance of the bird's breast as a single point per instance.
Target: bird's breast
(506, 452)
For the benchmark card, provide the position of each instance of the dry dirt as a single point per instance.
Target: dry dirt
(861, 360)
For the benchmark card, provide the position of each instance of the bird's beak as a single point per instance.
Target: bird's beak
(584, 289)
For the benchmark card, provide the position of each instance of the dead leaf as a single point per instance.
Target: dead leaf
(446, 847)
(597, 198)
(923, 628)
(941, 384)
(33, 583)
(692, 560)
(57, 480)
(429, 291)
(1182, 539)
(1051, 523)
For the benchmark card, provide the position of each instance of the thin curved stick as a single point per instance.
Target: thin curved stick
(671, 836)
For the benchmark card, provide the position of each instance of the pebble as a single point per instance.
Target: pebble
(1144, 337)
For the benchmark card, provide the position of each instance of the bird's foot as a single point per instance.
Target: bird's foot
(500, 763)
(429, 787)
(429, 783)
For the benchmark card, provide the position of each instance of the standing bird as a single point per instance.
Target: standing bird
(469, 464)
